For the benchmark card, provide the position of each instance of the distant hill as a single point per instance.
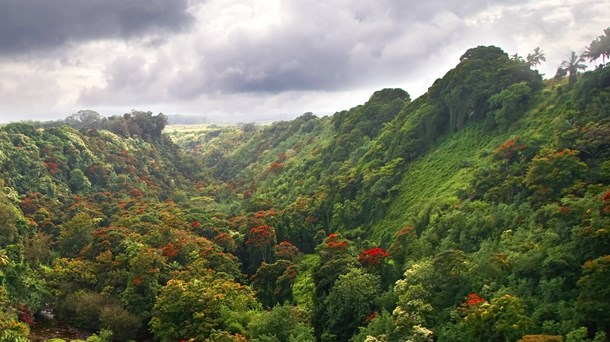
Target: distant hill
(177, 119)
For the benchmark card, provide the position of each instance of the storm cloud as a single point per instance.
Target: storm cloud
(250, 60)
(29, 26)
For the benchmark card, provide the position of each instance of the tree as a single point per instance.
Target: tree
(599, 47)
(76, 234)
(273, 282)
(509, 104)
(350, 302)
(594, 296)
(593, 51)
(262, 239)
(286, 251)
(572, 66)
(551, 173)
(84, 119)
(605, 44)
(535, 57)
(285, 323)
(197, 308)
(414, 300)
(503, 319)
(78, 181)
(9, 220)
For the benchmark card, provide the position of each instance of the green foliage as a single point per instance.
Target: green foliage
(503, 319)
(75, 234)
(350, 302)
(273, 282)
(483, 71)
(594, 294)
(283, 323)
(195, 308)
(509, 104)
(104, 335)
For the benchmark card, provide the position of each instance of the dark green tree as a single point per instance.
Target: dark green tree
(535, 58)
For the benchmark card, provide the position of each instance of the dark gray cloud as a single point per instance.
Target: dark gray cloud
(319, 45)
(31, 25)
(243, 47)
(329, 45)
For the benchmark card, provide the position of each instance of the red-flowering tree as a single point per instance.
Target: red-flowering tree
(226, 241)
(551, 173)
(260, 241)
(510, 150)
(286, 251)
(275, 167)
(333, 246)
(473, 300)
(373, 257)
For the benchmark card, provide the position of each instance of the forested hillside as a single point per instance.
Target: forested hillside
(479, 211)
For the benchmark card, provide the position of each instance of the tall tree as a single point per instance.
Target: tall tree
(572, 66)
(536, 57)
(593, 51)
(605, 45)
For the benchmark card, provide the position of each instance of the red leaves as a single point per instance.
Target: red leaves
(406, 230)
(373, 256)
(136, 193)
(606, 201)
(286, 251)
(263, 214)
(196, 224)
(261, 236)
(510, 149)
(474, 300)
(170, 250)
(226, 241)
(334, 245)
(274, 167)
(334, 242)
(52, 167)
(25, 315)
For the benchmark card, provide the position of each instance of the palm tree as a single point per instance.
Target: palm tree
(593, 51)
(536, 57)
(604, 42)
(572, 65)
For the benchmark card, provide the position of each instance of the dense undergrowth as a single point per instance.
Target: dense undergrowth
(479, 211)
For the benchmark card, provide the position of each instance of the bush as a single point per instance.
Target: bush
(121, 322)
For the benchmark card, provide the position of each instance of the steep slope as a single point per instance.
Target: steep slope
(491, 191)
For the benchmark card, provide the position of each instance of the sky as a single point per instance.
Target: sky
(259, 60)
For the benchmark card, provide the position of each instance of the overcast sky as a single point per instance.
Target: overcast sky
(259, 60)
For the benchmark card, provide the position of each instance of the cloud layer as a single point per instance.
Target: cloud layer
(247, 60)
